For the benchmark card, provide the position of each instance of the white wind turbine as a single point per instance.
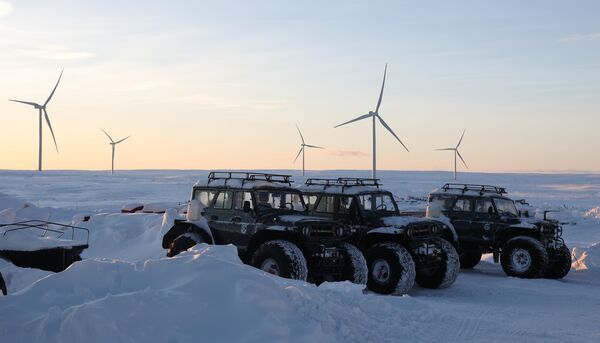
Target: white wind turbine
(42, 108)
(456, 153)
(113, 144)
(303, 147)
(375, 115)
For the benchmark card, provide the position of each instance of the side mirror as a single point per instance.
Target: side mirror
(247, 206)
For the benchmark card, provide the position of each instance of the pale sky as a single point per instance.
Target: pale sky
(221, 84)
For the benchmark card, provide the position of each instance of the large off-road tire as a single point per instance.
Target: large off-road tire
(282, 258)
(469, 257)
(524, 257)
(445, 273)
(561, 264)
(391, 269)
(355, 266)
(183, 242)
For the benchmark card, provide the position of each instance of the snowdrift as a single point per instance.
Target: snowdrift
(206, 292)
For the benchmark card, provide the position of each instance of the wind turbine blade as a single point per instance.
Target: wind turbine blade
(299, 152)
(50, 126)
(355, 119)
(107, 135)
(301, 137)
(381, 93)
(461, 158)
(51, 94)
(117, 142)
(461, 137)
(390, 130)
(445, 149)
(313, 146)
(26, 102)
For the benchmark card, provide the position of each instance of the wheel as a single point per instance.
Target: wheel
(281, 258)
(355, 265)
(524, 257)
(561, 264)
(446, 271)
(469, 258)
(183, 243)
(391, 269)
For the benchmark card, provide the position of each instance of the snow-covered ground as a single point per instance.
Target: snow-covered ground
(126, 291)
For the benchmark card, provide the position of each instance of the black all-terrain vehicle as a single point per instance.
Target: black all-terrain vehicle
(266, 219)
(399, 249)
(489, 222)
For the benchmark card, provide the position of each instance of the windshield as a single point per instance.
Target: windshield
(506, 207)
(279, 200)
(377, 203)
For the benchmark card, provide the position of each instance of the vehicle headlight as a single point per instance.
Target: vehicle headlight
(340, 231)
(409, 232)
(434, 229)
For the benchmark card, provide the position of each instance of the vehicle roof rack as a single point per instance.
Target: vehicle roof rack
(343, 182)
(476, 188)
(249, 176)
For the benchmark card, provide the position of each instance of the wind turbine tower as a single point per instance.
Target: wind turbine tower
(42, 108)
(375, 115)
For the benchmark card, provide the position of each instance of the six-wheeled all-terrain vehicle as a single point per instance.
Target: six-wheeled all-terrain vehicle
(265, 218)
(398, 249)
(487, 221)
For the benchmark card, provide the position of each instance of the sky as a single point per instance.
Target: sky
(222, 84)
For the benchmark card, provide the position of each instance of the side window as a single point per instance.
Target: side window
(240, 198)
(224, 200)
(345, 204)
(484, 206)
(445, 202)
(462, 204)
(310, 201)
(366, 201)
(326, 204)
(204, 196)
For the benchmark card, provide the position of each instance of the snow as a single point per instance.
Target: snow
(126, 290)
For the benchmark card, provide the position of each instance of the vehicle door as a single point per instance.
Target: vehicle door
(220, 218)
(462, 217)
(484, 218)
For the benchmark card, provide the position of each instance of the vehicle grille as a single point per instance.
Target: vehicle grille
(421, 231)
(321, 231)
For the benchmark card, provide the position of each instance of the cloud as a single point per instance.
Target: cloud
(345, 153)
(581, 36)
(5, 8)
(59, 53)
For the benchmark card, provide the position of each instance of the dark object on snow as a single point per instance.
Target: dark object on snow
(265, 218)
(400, 248)
(487, 221)
(3, 285)
(54, 249)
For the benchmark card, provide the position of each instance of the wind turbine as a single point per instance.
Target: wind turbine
(456, 153)
(375, 115)
(113, 144)
(42, 108)
(303, 147)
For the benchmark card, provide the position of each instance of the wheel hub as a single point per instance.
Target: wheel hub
(521, 260)
(380, 271)
(270, 266)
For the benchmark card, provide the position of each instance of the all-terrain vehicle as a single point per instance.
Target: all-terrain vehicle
(487, 221)
(399, 249)
(265, 218)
